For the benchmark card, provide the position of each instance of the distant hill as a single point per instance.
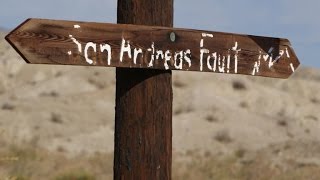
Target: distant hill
(2, 29)
(3, 33)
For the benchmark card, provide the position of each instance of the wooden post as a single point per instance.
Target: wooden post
(143, 120)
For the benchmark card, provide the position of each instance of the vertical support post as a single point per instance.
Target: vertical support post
(143, 120)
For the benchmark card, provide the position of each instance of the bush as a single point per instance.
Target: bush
(239, 85)
(223, 137)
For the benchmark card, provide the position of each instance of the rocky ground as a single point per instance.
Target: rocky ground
(57, 122)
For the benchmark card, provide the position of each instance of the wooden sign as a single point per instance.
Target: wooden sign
(41, 41)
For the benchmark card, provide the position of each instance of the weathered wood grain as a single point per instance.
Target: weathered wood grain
(143, 127)
(55, 42)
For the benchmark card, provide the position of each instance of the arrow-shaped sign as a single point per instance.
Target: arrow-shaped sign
(41, 41)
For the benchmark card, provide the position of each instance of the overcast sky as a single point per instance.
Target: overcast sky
(296, 20)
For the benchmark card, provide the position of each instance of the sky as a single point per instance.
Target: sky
(296, 20)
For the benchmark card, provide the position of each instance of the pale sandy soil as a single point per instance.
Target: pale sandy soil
(70, 111)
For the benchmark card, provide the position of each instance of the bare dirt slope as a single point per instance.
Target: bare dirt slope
(70, 110)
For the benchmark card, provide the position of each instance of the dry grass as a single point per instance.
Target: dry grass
(315, 100)
(282, 122)
(183, 109)
(75, 175)
(223, 136)
(211, 118)
(56, 118)
(179, 84)
(8, 106)
(49, 94)
(239, 85)
(312, 117)
(36, 163)
(244, 104)
(97, 82)
(206, 167)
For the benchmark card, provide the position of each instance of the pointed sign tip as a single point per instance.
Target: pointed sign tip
(8, 36)
(10, 39)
